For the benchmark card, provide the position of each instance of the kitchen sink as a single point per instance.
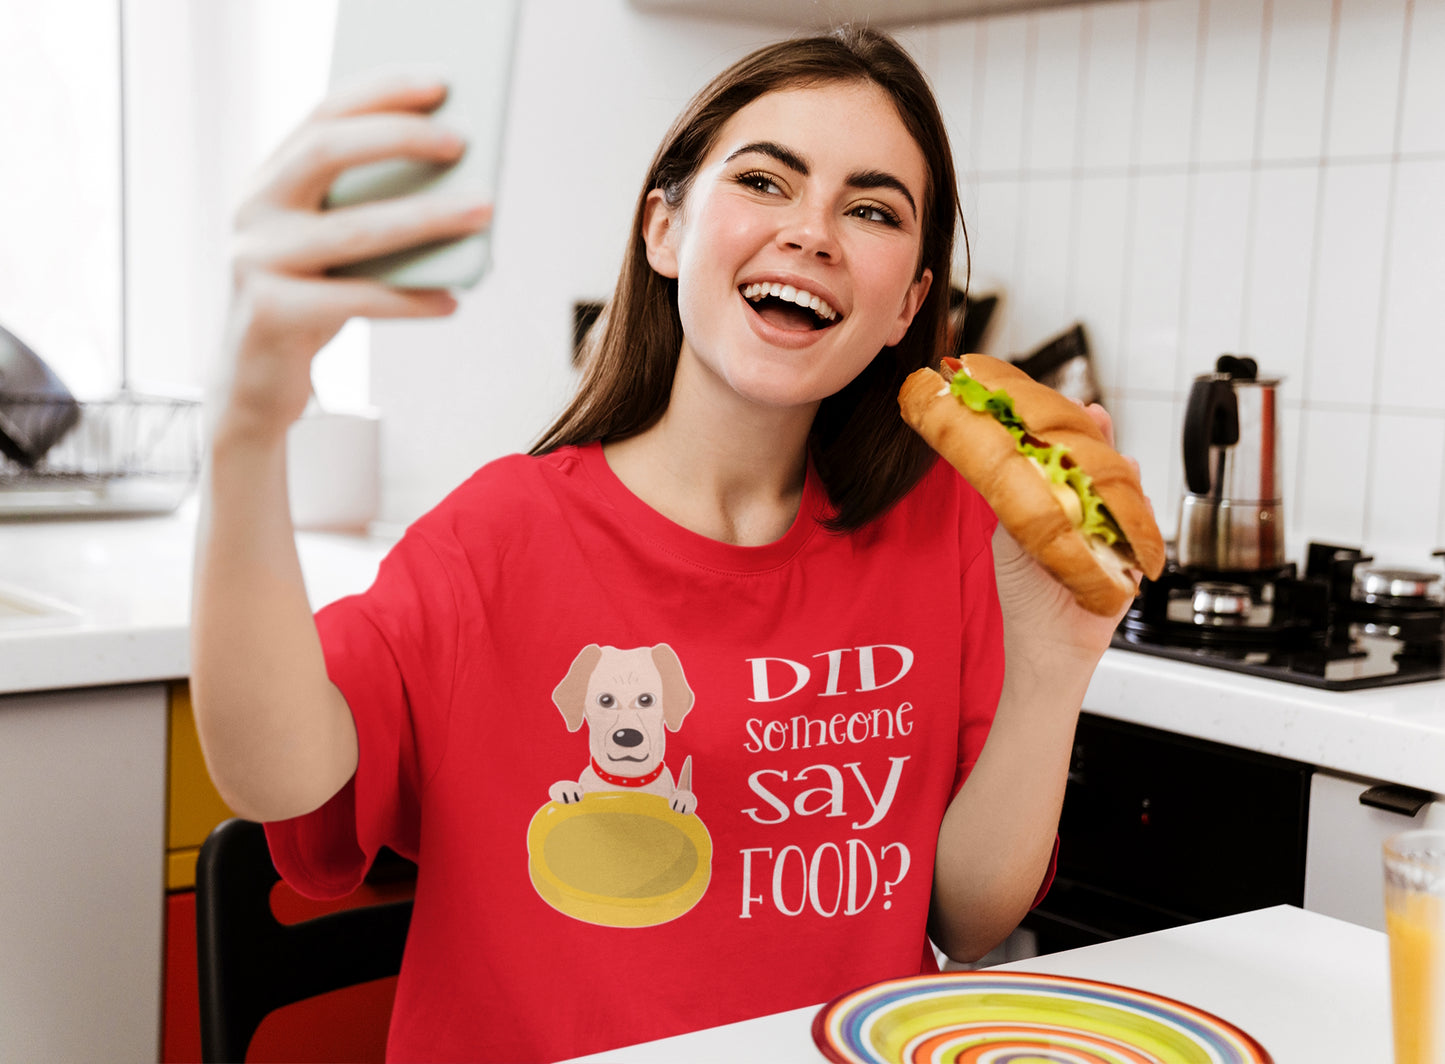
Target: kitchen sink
(20, 608)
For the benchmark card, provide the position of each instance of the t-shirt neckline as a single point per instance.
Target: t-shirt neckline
(699, 549)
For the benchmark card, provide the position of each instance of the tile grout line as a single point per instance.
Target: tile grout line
(1136, 134)
(1372, 444)
(1076, 188)
(974, 117)
(1251, 224)
(1189, 168)
(1191, 190)
(1026, 123)
(1312, 289)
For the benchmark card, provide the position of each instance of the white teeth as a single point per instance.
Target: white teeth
(763, 289)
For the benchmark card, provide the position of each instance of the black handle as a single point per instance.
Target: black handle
(1210, 419)
(1240, 367)
(1407, 801)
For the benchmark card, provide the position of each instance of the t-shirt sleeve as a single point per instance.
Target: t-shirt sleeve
(392, 653)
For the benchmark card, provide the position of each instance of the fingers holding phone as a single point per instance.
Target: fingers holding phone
(288, 300)
(383, 116)
(289, 222)
(469, 43)
(379, 203)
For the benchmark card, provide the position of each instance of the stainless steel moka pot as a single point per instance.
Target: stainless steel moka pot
(1231, 517)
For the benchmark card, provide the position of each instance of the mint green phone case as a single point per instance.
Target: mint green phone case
(469, 43)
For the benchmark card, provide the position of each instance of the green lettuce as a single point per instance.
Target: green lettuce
(1051, 457)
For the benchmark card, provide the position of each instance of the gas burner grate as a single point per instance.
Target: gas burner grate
(1316, 629)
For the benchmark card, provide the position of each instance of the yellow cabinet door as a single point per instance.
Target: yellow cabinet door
(195, 807)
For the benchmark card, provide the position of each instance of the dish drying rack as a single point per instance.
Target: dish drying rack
(133, 454)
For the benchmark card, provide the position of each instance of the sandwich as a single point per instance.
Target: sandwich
(1039, 460)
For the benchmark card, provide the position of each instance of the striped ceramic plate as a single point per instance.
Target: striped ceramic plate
(985, 1017)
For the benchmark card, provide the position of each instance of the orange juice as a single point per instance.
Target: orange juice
(1416, 924)
(1415, 921)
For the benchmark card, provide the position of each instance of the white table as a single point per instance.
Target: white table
(1310, 988)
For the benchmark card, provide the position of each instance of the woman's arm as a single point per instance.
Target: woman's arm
(277, 735)
(998, 832)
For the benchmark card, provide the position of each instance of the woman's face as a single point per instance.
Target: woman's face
(809, 196)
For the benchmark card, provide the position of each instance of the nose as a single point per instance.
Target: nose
(628, 737)
(811, 229)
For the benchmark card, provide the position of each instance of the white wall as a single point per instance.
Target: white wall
(1194, 177)
(1187, 177)
(596, 85)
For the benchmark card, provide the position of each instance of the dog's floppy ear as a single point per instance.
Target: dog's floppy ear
(677, 697)
(570, 696)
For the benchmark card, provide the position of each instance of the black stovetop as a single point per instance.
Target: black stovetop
(1312, 629)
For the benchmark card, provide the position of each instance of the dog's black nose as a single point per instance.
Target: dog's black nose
(627, 737)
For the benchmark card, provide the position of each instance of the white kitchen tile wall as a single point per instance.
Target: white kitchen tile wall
(1054, 90)
(1294, 81)
(1108, 99)
(1412, 362)
(1423, 121)
(1194, 177)
(1166, 104)
(1278, 270)
(1229, 81)
(1349, 261)
(1369, 49)
(1003, 95)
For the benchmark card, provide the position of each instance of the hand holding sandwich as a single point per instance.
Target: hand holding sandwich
(1043, 609)
(1074, 532)
(1049, 471)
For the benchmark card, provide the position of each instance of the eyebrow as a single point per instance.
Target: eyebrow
(860, 179)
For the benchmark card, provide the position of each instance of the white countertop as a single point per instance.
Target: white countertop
(129, 584)
(1309, 988)
(1396, 734)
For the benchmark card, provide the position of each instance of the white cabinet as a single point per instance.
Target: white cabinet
(1343, 874)
(82, 843)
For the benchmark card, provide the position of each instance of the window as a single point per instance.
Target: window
(210, 89)
(60, 255)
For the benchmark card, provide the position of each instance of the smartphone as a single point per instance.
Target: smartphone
(469, 44)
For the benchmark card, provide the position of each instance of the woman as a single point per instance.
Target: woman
(729, 582)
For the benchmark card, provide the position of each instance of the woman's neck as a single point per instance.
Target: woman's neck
(730, 471)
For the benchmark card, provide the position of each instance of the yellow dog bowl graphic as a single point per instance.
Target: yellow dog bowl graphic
(620, 859)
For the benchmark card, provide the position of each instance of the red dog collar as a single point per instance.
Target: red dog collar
(626, 781)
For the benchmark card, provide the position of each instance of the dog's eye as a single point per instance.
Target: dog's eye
(645, 700)
(606, 701)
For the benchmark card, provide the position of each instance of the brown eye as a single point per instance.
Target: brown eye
(606, 701)
(758, 181)
(645, 700)
(872, 212)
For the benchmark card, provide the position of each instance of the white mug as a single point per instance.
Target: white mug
(333, 463)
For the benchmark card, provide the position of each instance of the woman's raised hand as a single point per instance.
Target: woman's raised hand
(1039, 612)
(285, 306)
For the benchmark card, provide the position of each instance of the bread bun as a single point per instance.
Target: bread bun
(1027, 503)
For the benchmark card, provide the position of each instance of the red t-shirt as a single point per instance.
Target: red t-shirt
(653, 782)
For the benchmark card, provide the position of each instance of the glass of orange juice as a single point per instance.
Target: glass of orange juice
(1415, 920)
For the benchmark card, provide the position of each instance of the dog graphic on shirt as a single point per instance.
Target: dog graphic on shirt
(629, 699)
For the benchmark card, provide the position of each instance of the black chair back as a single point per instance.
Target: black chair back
(251, 964)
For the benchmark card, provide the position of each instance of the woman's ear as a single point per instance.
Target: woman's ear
(659, 232)
(912, 300)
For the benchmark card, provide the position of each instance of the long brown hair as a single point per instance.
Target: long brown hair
(865, 454)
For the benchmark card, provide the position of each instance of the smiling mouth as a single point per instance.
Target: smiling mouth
(787, 307)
